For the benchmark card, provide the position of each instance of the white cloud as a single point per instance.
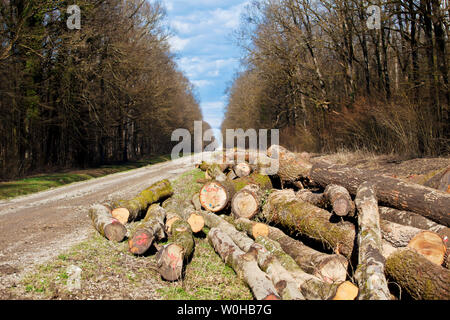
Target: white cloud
(202, 83)
(177, 43)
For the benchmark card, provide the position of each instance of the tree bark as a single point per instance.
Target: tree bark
(317, 199)
(297, 216)
(391, 192)
(397, 234)
(244, 264)
(106, 224)
(150, 229)
(340, 200)
(370, 272)
(330, 268)
(136, 206)
(291, 167)
(242, 169)
(183, 209)
(422, 279)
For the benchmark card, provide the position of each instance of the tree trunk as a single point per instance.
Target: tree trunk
(183, 209)
(216, 196)
(244, 264)
(297, 216)
(397, 234)
(330, 268)
(173, 256)
(157, 192)
(340, 200)
(291, 167)
(392, 192)
(422, 279)
(430, 245)
(242, 169)
(106, 224)
(317, 199)
(150, 229)
(247, 202)
(412, 219)
(370, 272)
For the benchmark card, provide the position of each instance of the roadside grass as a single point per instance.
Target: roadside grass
(110, 272)
(44, 182)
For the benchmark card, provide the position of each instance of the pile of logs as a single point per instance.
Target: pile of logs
(327, 232)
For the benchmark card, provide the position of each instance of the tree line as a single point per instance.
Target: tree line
(317, 70)
(108, 92)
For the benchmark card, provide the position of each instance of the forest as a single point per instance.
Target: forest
(318, 71)
(74, 98)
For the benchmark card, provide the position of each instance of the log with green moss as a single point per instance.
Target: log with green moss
(139, 204)
(149, 230)
(244, 264)
(328, 267)
(391, 192)
(370, 271)
(106, 224)
(179, 208)
(216, 196)
(172, 258)
(284, 209)
(420, 278)
(247, 202)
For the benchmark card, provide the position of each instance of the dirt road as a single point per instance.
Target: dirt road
(37, 227)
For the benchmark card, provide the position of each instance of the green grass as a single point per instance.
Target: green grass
(39, 183)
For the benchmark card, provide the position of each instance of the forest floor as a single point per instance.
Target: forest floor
(41, 235)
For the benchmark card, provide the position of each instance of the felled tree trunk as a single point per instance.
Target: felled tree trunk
(247, 202)
(329, 268)
(286, 210)
(428, 202)
(106, 224)
(242, 169)
(173, 256)
(396, 234)
(157, 192)
(370, 272)
(215, 172)
(150, 229)
(317, 199)
(340, 200)
(430, 245)
(291, 167)
(182, 209)
(216, 196)
(444, 184)
(310, 286)
(244, 264)
(415, 220)
(196, 201)
(422, 279)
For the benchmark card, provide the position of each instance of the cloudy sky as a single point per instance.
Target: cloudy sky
(205, 48)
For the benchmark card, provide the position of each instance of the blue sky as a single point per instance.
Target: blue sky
(205, 48)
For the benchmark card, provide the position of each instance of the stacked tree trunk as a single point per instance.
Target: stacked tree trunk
(346, 237)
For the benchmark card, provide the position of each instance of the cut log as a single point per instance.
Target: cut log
(173, 256)
(196, 201)
(244, 264)
(311, 287)
(317, 199)
(242, 169)
(444, 184)
(181, 208)
(121, 214)
(215, 172)
(422, 279)
(330, 268)
(396, 234)
(369, 274)
(150, 229)
(415, 220)
(247, 202)
(138, 205)
(286, 210)
(391, 192)
(106, 224)
(430, 245)
(340, 200)
(346, 291)
(291, 166)
(216, 196)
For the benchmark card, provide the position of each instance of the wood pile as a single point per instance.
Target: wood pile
(313, 231)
